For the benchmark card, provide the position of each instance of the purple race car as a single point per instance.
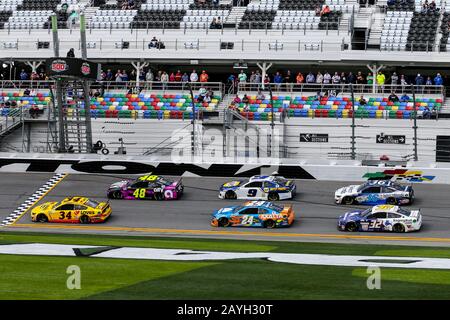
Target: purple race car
(146, 187)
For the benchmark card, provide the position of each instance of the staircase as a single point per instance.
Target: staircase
(363, 17)
(234, 17)
(89, 12)
(375, 30)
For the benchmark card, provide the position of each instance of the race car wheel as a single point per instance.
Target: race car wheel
(348, 200)
(273, 197)
(230, 195)
(224, 222)
(351, 226)
(399, 228)
(269, 224)
(391, 201)
(41, 218)
(84, 219)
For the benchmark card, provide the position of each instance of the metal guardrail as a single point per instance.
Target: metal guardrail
(10, 121)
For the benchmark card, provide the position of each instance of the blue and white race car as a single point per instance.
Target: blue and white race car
(270, 188)
(381, 218)
(375, 192)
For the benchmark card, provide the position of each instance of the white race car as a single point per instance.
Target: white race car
(270, 188)
(381, 218)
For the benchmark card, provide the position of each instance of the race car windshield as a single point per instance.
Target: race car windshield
(366, 212)
(276, 208)
(164, 181)
(92, 203)
(281, 180)
(404, 212)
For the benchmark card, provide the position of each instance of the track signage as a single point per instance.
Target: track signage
(313, 137)
(391, 139)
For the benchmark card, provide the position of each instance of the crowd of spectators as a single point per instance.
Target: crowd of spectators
(288, 79)
(216, 23)
(128, 5)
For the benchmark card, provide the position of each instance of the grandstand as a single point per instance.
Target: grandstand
(263, 35)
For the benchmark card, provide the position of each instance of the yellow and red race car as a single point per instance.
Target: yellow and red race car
(72, 210)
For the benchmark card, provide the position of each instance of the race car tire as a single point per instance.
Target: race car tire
(224, 222)
(273, 197)
(398, 228)
(84, 219)
(230, 195)
(115, 195)
(269, 224)
(351, 227)
(348, 200)
(391, 201)
(41, 218)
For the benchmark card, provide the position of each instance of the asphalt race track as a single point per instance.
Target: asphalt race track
(316, 213)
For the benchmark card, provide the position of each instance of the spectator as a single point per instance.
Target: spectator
(362, 101)
(369, 78)
(149, 75)
(394, 79)
(318, 10)
(23, 75)
(213, 24)
(266, 79)
(278, 79)
(118, 76)
(325, 11)
(34, 111)
(164, 80)
(429, 82)
(343, 77)
(26, 92)
(359, 78)
(405, 98)
(194, 76)
(419, 80)
(109, 75)
(438, 81)
(172, 77)
(326, 78)
(403, 81)
(204, 76)
(319, 78)
(125, 77)
(237, 99)
(299, 78)
(310, 78)
(393, 97)
(336, 79)
(381, 79)
(426, 113)
(184, 77)
(242, 77)
(351, 78)
(252, 79)
(289, 80)
(258, 77)
(219, 23)
(260, 95)
(153, 43)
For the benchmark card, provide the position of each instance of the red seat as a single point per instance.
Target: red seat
(399, 114)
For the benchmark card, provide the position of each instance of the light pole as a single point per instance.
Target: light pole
(416, 157)
(353, 122)
(193, 118)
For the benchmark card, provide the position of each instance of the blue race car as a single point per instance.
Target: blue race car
(254, 214)
(375, 192)
(384, 217)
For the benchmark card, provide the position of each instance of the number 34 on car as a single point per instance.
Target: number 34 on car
(72, 210)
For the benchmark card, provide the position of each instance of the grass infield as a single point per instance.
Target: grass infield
(42, 277)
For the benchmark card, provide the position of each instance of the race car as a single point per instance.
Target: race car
(375, 192)
(146, 187)
(270, 188)
(254, 214)
(72, 210)
(381, 218)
